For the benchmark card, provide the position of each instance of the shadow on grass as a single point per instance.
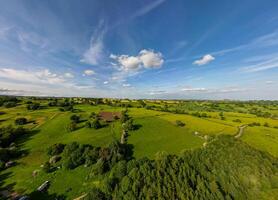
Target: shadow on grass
(36, 195)
(129, 150)
(7, 191)
(2, 120)
(76, 110)
(136, 126)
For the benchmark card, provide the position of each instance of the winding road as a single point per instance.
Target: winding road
(240, 131)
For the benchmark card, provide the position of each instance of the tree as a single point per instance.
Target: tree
(128, 125)
(180, 123)
(72, 126)
(55, 149)
(75, 118)
(95, 124)
(9, 104)
(124, 116)
(95, 194)
(47, 167)
(20, 121)
(33, 106)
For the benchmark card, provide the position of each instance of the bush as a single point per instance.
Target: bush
(128, 125)
(33, 106)
(9, 104)
(237, 120)
(266, 124)
(180, 123)
(75, 118)
(124, 116)
(55, 149)
(20, 121)
(47, 167)
(95, 124)
(99, 167)
(72, 126)
(254, 124)
(2, 165)
(95, 194)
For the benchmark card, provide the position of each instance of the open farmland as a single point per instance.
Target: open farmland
(155, 131)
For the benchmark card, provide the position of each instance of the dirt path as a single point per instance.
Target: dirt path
(240, 131)
(52, 117)
(81, 197)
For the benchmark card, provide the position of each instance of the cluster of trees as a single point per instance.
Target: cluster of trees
(8, 101)
(33, 106)
(66, 105)
(74, 155)
(226, 169)
(94, 121)
(127, 121)
(8, 149)
(221, 115)
(258, 124)
(75, 119)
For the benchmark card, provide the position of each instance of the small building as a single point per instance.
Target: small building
(44, 186)
(109, 116)
(9, 164)
(24, 198)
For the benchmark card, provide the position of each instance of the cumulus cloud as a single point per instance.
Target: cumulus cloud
(68, 75)
(150, 59)
(105, 82)
(127, 62)
(204, 60)
(89, 72)
(145, 58)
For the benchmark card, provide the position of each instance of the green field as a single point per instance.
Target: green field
(156, 132)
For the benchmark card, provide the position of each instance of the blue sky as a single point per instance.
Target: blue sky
(217, 49)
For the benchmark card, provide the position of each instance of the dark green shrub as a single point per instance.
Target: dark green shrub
(55, 149)
(20, 121)
(180, 123)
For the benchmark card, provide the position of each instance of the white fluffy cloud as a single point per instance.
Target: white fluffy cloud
(204, 60)
(127, 62)
(105, 82)
(145, 58)
(150, 59)
(88, 72)
(68, 75)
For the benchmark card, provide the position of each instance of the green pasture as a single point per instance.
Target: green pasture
(156, 131)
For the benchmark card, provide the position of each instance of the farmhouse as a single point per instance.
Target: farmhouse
(109, 116)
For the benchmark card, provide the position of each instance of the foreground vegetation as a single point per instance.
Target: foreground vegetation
(187, 148)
